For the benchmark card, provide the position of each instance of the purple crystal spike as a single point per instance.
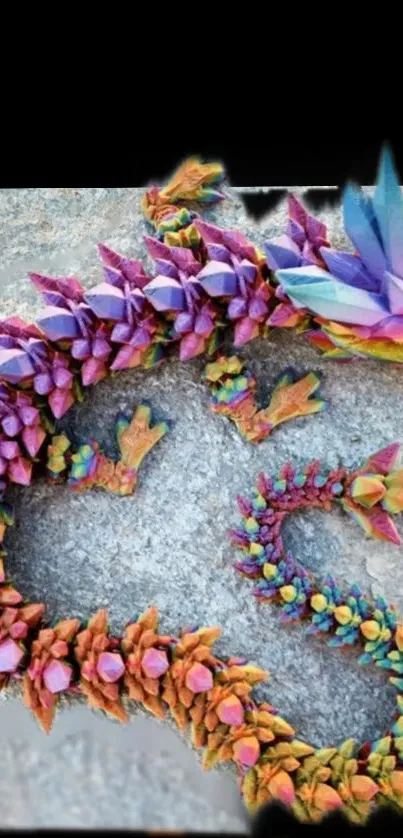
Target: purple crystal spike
(17, 328)
(391, 328)
(43, 383)
(157, 249)
(185, 261)
(62, 377)
(165, 294)
(15, 365)
(137, 299)
(218, 279)
(209, 232)
(184, 322)
(28, 414)
(238, 244)
(58, 323)
(106, 301)
(9, 449)
(257, 308)
(295, 232)
(203, 325)
(131, 269)
(296, 210)
(11, 425)
(81, 349)
(140, 339)
(238, 307)
(316, 231)
(349, 269)
(121, 333)
(247, 270)
(113, 276)
(56, 289)
(100, 348)
(219, 253)
(282, 252)
(166, 268)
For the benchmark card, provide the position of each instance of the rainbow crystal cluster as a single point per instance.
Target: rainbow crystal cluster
(356, 298)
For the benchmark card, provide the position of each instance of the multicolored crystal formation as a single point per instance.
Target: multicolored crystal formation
(16, 622)
(48, 673)
(177, 291)
(358, 299)
(101, 666)
(233, 395)
(301, 244)
(235, 272)
(26, 360)
(282, 579)
(194, 182)
(112, 319)
(147, 659)
(89, 467)
(375, 492)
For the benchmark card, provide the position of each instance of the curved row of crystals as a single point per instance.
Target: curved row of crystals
(214, 697)
(214, 281)
(370, 494)
(83, 336)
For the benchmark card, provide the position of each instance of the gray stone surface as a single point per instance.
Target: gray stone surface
(168, 544)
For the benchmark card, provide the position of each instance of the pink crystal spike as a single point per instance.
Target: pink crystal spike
(190, 346)
(246, 329)
(199, 679)
(230, 711)
(60, 401)
(246, 751)
(9, 449)
(57, 676)
(203, 325)
(28, 414)
(154, 663)
(110, 667)
(10, 655)
(20, 471)
(33, 439)
(131, 269)
(296, 210)
(384, 460)
(126, 358)
(92, 371)
(18, 630)
(101, 348)
(208, 232)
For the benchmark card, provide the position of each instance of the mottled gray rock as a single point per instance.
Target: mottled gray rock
(168, 544)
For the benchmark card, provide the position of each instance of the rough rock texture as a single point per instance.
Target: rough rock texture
(168, 544)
